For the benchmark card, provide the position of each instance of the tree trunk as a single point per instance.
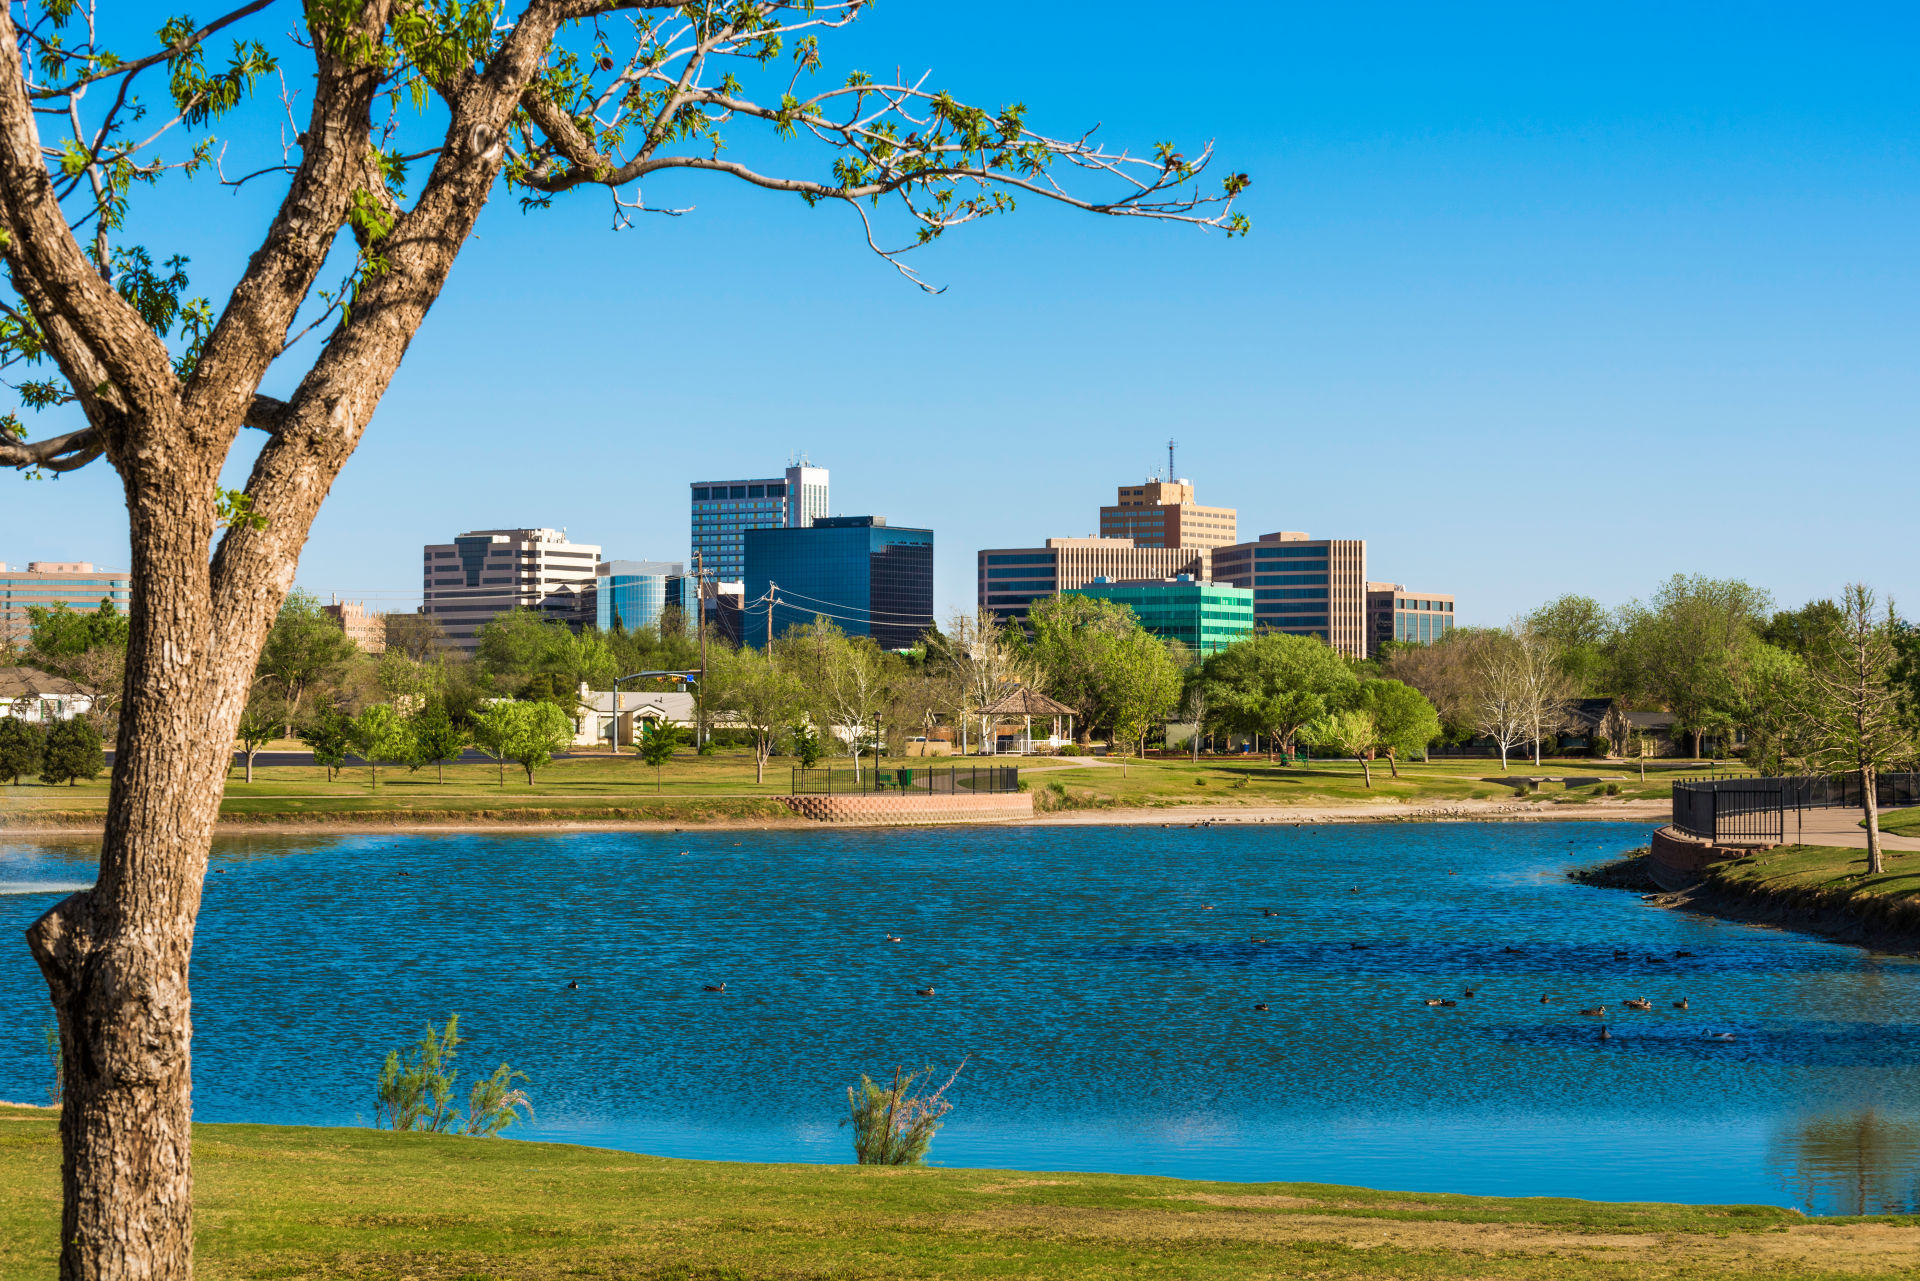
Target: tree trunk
(1503, 758)
(1697, 734)
(1870, 802)
(116, 956)
(440, 768)
(1393, 764)
(250, 755)
(1366, 770)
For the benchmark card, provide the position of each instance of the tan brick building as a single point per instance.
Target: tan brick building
(1163, 513)
(1012, 578)
(1303, 586)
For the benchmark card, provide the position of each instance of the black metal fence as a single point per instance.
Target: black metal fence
(839, 780)
(1755, 809)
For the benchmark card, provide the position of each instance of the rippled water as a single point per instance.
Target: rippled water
(1100, 982)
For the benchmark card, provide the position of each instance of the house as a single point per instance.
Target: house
(636, 707)
(41, 699)
(1610, 719)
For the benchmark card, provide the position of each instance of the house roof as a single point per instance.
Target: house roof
(28, 682)
(1024, 701)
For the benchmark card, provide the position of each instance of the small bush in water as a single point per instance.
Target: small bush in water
(891, 1124)
(416, 1089)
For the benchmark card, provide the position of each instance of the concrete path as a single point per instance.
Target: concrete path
(1842, 827)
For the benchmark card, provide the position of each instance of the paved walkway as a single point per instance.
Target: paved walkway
(1842, 827)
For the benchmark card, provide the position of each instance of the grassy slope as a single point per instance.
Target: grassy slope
(1824, 870)
(700, 789)
(282, 1202)
(1901, 822)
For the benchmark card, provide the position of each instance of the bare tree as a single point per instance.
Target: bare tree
(1852, 711)
(1544, 685)
(537, 98)
(986, 656)
(1502, 706)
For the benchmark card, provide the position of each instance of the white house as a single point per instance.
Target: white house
(636, 707)
(39, 698)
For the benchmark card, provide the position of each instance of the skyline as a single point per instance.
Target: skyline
(1516, 283)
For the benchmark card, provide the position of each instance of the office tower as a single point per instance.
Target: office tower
(1205, 617)
(1303, 586)
(632, 594)
(1012, 578)
(1414, 618)
(1162, 513)
(74, 584)
(724, 510)
(724, 610)
(368, 632)
(870, 578)
(488, 571)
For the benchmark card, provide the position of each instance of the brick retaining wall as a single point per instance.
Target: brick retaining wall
(883, 809)
(1676, 861)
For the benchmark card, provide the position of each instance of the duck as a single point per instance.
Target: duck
(894, 938)
(1449, 1004)
(1545, 999)
(1638, 1003)
(1606, 1033)
(1267, 911)
(1721, 1036)
(1598, 1011)
(1434, 1000)
(1681, 954)
(1468, 993)
(715, 987)
(923, 991)
(1255, 938)
(1656, 960)
(1262, 1007)
(1618, 954)
(573, 985)
(1680, 1004)
(1510, 951)
(1206, 907)
(1357, 947)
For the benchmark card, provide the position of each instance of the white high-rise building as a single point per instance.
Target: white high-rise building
(485, 572)
(724, 510)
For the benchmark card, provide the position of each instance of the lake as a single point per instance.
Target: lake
(1099, 982)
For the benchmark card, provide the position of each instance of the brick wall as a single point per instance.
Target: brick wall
(880, 809)
(1677, 860)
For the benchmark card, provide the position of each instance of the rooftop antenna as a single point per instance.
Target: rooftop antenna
(1171, 473)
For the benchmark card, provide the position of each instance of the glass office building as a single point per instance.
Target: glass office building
(632, 594)
(724, 510)
(1303, 586)
(1412, 618)
(870, 578)
(1205, 617)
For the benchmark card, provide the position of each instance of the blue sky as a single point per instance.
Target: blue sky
(1535, 302)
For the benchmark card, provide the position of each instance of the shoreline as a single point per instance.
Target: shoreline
(1467, 811)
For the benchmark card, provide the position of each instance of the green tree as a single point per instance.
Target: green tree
(161, 382)
(379, 735)
(1853, 711)
(804, 743)
(761, 696)
(71, 752)
(1272, 684)
(328, 733)
(530, 733)
(305, 648)
(1404, 721)
(658, 742)
(1582, 634)
(263, 717)
(1348, 732)
(1141, 683)
(1802, 631)
(437, 739)
(491, 730)
(1683, 649)
(20, 748)
(88, 648)
(1073, 638)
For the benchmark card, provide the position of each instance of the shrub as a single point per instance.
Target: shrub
(806, 744)
(892, 1125)
(1200, 781)
(1611, 789)
(1599, 745)
(71, 753)
(20, 747)
(415, 1091)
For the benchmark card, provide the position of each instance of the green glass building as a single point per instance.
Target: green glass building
(1207, 617)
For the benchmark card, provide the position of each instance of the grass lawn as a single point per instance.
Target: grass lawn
(1800, 869)
(695, 788)
(283, 1202)
(1901, 822)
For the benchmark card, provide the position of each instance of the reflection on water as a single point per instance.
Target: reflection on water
(1866, 1163)
(1102, 982)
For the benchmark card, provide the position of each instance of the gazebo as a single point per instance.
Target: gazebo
(1022, 704)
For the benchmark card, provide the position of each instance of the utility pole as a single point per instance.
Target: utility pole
(700, 625)
(771, 587)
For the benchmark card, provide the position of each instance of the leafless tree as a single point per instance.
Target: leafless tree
(539, 98)
(1851, 713)
(1502, 706)
(1544, 686)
